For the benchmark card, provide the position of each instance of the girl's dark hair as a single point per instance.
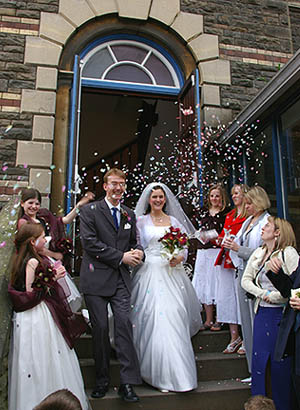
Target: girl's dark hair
(148, 210)
(29, 193)
(24, 248)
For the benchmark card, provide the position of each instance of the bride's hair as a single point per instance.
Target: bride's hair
(173, 207)
(148, 210)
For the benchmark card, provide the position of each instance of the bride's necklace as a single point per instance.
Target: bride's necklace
(158, 219)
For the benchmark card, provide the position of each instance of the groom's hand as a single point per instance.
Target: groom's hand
(131, 258)
(138, 253)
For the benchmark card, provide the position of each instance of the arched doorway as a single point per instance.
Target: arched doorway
(129, 111)
(130, 106)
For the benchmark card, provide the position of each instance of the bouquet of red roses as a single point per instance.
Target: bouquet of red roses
(173, 242)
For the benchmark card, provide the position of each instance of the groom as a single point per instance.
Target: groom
(108, 236)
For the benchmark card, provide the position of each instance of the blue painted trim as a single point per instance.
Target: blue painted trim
(139, 39)
(129, 87)
(199, 137)
(276, 154)
(72, 134)
(282, 150)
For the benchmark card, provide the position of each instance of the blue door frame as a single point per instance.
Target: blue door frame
(78, 82)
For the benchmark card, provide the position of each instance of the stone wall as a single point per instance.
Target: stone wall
(255, 35)
(8, 219)
(295, 27)
(18, 19)
(260, 24)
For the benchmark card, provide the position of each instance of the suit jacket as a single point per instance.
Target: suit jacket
(252, 240)
(288, 341)
(103, 248)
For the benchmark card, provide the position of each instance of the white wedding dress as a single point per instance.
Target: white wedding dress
(165, 315)
(41, 362)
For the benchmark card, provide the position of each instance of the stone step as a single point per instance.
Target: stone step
(210, 395)
(209, 342)
(203, 342)
(210, 366)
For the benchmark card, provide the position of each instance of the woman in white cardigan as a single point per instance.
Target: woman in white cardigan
(278, 250)
(247, 240)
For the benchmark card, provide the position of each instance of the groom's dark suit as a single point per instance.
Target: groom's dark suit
(105, 279)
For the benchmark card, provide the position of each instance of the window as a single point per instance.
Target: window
(132, 62)
(290, 142)
(260, 165)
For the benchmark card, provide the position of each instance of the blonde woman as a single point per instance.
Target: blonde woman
(247, 240)
(228, 310)
(205, 277)
(278, 249)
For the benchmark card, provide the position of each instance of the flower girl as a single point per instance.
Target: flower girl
(44, 327)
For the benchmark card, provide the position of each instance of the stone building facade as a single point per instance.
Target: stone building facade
(238, 46)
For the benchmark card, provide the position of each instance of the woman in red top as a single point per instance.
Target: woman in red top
(227, 300)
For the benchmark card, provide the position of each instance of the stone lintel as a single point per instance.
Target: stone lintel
(40, 179)
(211, 95)
(102, 7)
(165, 10)
(46, 78)
(35, 154)
(215, 72)
(188, 25)
(76, 12)
(135, 9)
(39, 50)
(205, 47)
(54, 27)
(39, 102)
(43, 128)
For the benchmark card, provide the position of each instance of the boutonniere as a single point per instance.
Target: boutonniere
(124, 215)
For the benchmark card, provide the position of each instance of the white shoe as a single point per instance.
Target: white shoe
(164, 390)
(247, 380)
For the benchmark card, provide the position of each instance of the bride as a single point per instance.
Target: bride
(165, 309)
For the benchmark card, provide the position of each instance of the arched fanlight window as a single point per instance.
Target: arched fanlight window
(130, 64)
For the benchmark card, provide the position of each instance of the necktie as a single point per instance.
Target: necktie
(115, 210)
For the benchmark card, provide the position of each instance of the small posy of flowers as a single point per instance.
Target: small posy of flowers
(65, 246)
(173, 242)
(44, 278)
(125, 215)
(295, 293)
